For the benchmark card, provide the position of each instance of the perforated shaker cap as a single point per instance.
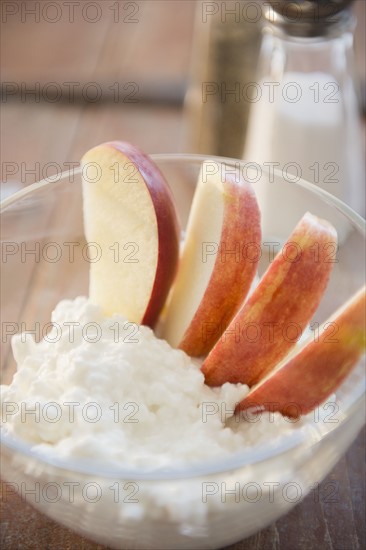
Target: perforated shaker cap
(307, 17)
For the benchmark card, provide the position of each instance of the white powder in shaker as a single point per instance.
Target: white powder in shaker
(304, 129)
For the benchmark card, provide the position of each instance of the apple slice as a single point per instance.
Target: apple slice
(218, 262)
(277, 312)
(313, 374)
(130, 216)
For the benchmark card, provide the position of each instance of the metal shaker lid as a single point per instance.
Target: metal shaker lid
(307, 18)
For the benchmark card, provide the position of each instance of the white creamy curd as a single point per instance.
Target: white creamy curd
(149, 456)
(110, 391)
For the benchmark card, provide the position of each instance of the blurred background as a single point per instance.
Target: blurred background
(74, 74)
(77, 73)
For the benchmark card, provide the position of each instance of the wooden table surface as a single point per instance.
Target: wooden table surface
(145, 48)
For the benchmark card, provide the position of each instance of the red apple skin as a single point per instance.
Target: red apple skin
(287, 295)
(311, 376)
(167, 224)
(231, 279)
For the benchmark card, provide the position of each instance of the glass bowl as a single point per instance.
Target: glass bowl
(209, 505)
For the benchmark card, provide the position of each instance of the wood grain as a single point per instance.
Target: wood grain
(153, 52)
(325, 519)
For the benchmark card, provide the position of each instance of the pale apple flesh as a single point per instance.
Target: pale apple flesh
(218, 263)
(276, 314)
(130, 216)
(312, 375)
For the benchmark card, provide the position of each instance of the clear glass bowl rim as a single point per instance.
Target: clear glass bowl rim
(189, 158)
(237, 460)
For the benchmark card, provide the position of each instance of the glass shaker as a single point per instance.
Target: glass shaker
(305, 119)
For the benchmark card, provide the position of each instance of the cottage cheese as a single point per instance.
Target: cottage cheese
(110, 391)
(150, 456)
